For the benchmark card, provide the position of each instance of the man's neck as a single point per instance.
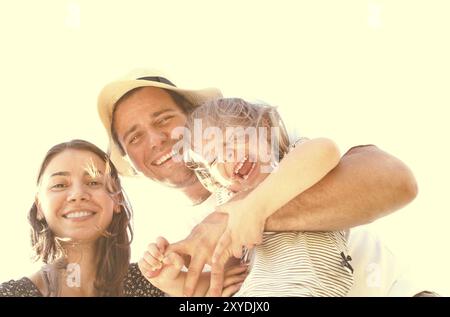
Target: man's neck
(196, 192)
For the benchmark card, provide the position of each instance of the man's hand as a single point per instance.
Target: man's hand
(218, 268)
(200, 245)
(233, 280)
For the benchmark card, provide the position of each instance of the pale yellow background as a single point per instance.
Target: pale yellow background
(355, 71)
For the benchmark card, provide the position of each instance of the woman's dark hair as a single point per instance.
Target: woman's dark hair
(112, 248)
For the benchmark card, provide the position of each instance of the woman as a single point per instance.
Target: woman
(80, 229)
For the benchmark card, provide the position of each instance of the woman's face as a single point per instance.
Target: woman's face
(240, 162)
(72, 196)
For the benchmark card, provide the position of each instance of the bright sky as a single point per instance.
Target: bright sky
(355, 71)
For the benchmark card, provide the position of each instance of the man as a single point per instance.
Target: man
(141, 111)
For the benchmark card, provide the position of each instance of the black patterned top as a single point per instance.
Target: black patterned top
(135, 285)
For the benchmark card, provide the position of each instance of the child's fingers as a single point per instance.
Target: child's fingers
(143, 266)
(153, 263)
(174, 259)
(147, 270)
(155, 251)
(162, 244)
(173, 263)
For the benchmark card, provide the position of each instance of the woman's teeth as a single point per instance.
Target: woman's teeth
(78, 214)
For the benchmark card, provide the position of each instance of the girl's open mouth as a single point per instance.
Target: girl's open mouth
(244, 168)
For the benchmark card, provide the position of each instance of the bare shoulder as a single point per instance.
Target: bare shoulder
(37, 280)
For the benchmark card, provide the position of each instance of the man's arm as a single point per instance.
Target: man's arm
(367, 184)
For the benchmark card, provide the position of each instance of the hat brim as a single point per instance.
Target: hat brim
(112, 92)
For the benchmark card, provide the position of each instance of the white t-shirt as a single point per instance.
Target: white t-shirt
(377, 272)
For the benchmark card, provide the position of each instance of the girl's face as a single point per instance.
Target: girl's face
(72, 196)
(240, 162)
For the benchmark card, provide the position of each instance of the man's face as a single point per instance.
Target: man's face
(144, 122)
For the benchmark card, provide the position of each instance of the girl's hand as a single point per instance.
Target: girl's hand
(156, 266)
(245, 227)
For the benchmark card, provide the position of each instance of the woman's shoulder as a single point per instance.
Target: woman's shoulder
(136, 285)
(19, 288)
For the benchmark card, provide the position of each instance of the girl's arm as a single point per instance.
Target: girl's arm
(301, 168)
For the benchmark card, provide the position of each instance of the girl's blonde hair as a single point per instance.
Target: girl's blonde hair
(236, 112)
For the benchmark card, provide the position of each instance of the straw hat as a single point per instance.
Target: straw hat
(114, 90)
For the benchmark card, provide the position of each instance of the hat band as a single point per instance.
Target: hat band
(158, 79)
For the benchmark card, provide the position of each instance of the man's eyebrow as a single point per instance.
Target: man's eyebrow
(60, 174)
(157, 113)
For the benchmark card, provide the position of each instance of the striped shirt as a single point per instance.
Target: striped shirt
(298, 264)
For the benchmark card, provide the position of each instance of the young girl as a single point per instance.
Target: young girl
(230, 161)
(80, 229)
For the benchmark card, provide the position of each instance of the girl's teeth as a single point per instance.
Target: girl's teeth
(239, 166)
(251, 170)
